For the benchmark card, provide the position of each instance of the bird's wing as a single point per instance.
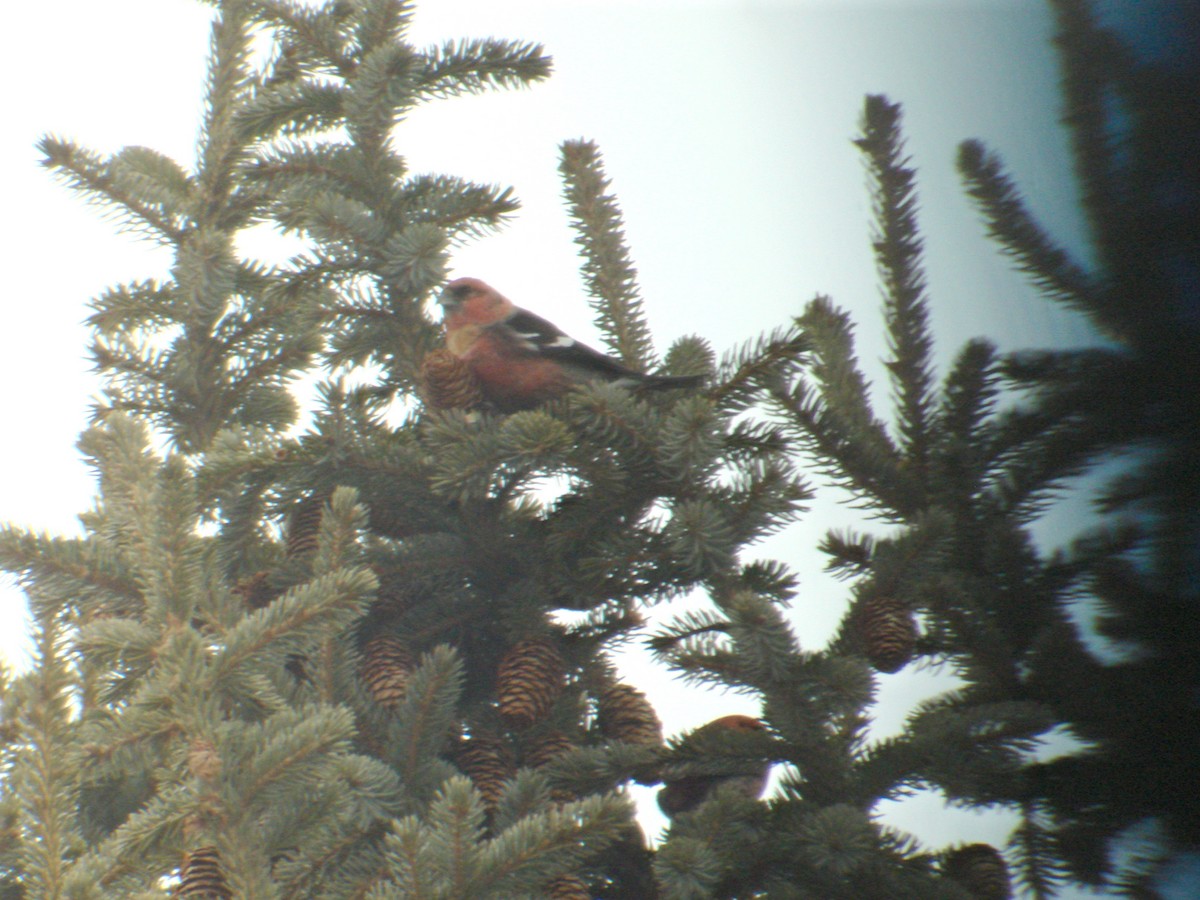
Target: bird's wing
(532, 334)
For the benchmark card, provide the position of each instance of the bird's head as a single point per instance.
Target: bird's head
(462, 291)
(736, 723)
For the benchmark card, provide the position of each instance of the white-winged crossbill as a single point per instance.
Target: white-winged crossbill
(686, 792)
(521, 360)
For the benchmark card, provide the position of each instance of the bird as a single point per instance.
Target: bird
(521, 360)
(686, 792)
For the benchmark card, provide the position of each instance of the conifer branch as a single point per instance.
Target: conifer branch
(610, 416)
(1032, 450)
(770, 578)
(898, 258)
(288, 622)
(969, 393)
(457, 205)
(44, 774)
(473, 66)
(293, 109)
(144, 839)
(1024, 483)
(381, 22)
(1023, 240)
(318, 32)
(291, 741)
(764, 498)
(89, 571)
(442, 851)
(832, 416)
(1038, 856)
(427, 712)
(964, 452)
(700, 535)
(748, 371)
(850, 554)
(686, 867)
(378, 96)
(94, 177)
(220, 145)
(691, 624)
(1092, 62)
(761, 637)
(127, 307)
(540, 847)
(287, 166)
(607, 267)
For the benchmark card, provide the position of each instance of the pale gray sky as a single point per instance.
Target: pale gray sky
(726, 131)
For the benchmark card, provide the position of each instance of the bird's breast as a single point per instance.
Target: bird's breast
(460, 340)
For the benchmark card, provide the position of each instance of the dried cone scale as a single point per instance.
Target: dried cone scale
(529, 681)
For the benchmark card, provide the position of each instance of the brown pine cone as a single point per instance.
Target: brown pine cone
(304, 525)
(445, 382)
(529, 681)
(568, 887)
(888, 633)
(201, 876)
(386, 666)
(489, 764)
(980, 869)
(624, 714)
(546, 747)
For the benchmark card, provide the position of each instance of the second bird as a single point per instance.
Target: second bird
(521, 360)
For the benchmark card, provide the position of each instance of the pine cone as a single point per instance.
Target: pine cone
(546, 747)
(888, 633)
(530, 679)
(304, 525)
(447, 383)
(201, 876)
(568, 887)
(489, 764)
(386, 666)
(624, 714)
(980, 869)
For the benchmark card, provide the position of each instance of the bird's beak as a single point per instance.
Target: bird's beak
(444, 298)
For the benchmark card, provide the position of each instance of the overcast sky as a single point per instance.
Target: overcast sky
(725, 128)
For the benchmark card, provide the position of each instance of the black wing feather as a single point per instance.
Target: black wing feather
(536, 335)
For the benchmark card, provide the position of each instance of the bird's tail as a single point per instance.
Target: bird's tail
(669, 382)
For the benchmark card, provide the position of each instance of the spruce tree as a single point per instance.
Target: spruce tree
(958, 473)
(343, 659)
(1134, 121)
(366, 655)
